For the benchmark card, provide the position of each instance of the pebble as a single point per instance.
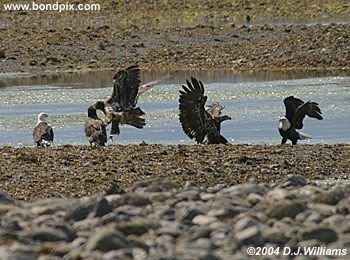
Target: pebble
(171, 222)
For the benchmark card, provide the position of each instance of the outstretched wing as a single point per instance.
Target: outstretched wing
(291, 103)
(147, 86)
(310, 109)
(193, 116)
(125, 89)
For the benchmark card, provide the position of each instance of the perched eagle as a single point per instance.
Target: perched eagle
(198, 122)
(42, 132)
(296, 110)
(95, 128)
(121, 108)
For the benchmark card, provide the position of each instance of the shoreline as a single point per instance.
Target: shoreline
(31, 173)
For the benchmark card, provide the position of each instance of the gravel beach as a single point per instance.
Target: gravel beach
(176, 201)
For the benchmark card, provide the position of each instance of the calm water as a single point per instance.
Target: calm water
(253, 100)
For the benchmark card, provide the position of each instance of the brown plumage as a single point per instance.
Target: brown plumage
(121, 108)
(43, 133)
(196, 121)
(95, 129)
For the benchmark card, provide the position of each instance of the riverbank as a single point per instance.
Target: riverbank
(177, 35)
(76, 171)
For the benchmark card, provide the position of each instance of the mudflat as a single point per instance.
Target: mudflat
(171, 35)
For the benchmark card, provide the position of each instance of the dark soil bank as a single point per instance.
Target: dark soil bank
(177, 35)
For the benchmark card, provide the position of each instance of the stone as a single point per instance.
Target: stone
(5, 199)
(2, 54)
(107, 239)
(135, 227)
(295, 180)
(285, 208)
(203, 220)
(188, 216)
(102, 208)
(331, 197)
(326, 235)
(49, 235)
(130, 199)
(79, 212)
(250, 236)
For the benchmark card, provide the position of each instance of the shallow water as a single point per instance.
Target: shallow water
(253, 100)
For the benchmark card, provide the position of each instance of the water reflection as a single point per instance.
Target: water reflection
(100, 79)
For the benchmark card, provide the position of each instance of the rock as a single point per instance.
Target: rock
(250, 236)
(135, 227)
(79, 212)
(254, 198)
(49, 235)
(331, 197)
(244, 223)
(326, 235)
(203, 220)
(279, 194)
(2, 54)
(295, 180)
(4, 199)
(107, 239)
(274, 236)
(285, 208)
(102, 208)
(130, 199)
(222, 214)
(189, 215)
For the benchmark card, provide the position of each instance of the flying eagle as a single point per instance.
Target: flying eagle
(95, 128)
(121, 108)
(42, 132)
(197, 121)
(296, 110)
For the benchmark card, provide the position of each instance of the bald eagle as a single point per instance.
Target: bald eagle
(121, 108)
(95, 128)
(42, 132)
(197, 121)
(296, 110)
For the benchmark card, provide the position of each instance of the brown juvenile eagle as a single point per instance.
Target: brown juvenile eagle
(95, 128)
(197, 122)
(296, 110)
(42, 132)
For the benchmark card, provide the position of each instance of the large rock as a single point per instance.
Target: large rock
(49, 235)
(107, 239)
(285, 208)
(250, 236)
(326, 235)
(331, 197)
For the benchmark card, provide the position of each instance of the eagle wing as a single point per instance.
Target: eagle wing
(195, 120)
(125, 89)
(310, 109)
(291, 103)
(43, 131)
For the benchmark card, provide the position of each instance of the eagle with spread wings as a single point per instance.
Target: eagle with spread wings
(121, 107)
(198, 122)
(296, 110)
